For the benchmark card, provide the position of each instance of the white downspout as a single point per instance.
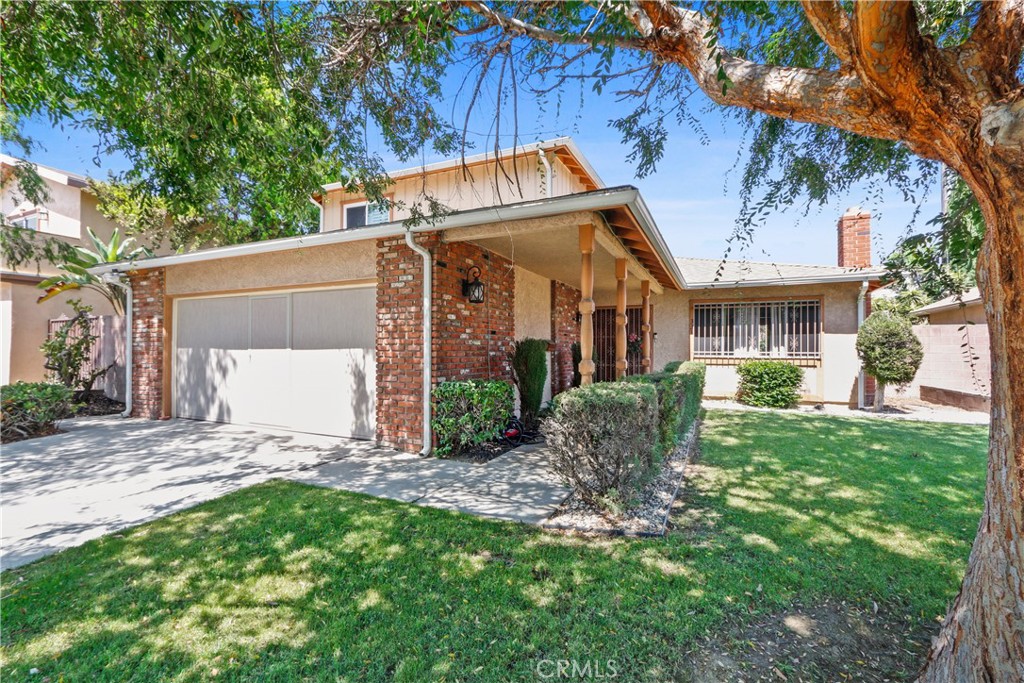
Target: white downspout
(320, 207)
(861, 296)
(113, 278)
(428, 336)
(547, 173)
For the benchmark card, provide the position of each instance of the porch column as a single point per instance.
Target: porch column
(587, 304)
(645, 294)
(620, 318)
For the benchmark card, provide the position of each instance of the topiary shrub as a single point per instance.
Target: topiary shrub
(890, 352)
(32, 409)
(769, 383)
(469, 413)
(577, 356)
(672, 365)
(602, 438)
(529, 361)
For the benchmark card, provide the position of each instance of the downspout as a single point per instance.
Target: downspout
(549, 181)
(428, 336)
(113, 278)
(861, 297)
(320, 207)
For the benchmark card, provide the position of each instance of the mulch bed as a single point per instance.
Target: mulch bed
(648, 518)
(98, 404)
(485, 452)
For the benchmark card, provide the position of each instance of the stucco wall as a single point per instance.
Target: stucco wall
(317, 265)
(63, 208)
(29, 324)
(533, 312)
(835, 378)
(483, 186)
(973, 313)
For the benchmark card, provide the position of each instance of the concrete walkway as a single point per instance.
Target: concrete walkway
(105, 474)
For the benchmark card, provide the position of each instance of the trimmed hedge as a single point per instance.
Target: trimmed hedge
(469, 413)
(672, 366)
(30, 409)
(608, 439)
(603, 439)
(769, 383)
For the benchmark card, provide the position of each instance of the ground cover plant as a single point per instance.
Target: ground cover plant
(783, 515)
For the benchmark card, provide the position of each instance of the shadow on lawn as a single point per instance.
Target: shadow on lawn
(283, 581)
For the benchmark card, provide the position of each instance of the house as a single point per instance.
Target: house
(956, 369)
(24, 324)
(325, 333)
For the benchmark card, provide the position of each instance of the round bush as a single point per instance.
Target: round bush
(769, 383)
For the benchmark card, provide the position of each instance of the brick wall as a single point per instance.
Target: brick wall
(470, 340)
(854, 238)
(565, 306)
(147, 342)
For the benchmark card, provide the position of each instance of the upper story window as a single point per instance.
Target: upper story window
(360, 214)
(28, 220)
(757, 329)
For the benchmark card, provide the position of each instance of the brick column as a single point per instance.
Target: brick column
(147, 342)
(565, 331)
(854, 238)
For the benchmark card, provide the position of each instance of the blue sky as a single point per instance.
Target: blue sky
(694, 194)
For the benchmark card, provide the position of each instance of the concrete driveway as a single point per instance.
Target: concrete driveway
(109, 473)
(105, 474)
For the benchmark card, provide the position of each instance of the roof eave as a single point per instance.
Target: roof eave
(866, 276)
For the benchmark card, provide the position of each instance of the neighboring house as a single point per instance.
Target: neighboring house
(70, 209)
(957, 365)
(324, 333)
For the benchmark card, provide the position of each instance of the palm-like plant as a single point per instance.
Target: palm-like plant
(75, 273)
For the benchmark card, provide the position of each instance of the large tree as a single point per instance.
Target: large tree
(204, 97)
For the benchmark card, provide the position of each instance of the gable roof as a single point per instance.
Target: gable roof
(48, 172)
(971, 296)
(707, 273)
(563, 147)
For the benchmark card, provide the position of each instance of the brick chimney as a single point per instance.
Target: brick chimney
(855, 238)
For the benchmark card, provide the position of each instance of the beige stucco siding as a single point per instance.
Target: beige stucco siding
(834, 380)
(311, 266)
(480, 186)
(533, 311)
(970, 314)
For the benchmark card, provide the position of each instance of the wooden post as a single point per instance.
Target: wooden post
(621, 364)
(587, 304)
(645, 294)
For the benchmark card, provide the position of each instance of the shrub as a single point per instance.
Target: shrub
(32, 409)
(672, 366)
(69, 350)
(469, 413)
(529, 361)
(602, 439)
(577, 356)
(679, 396)
(769, 383)
(890, 351)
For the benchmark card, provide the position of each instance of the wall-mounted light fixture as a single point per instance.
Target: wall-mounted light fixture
(472, 288)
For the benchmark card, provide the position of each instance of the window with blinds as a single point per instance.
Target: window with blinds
(757, 329)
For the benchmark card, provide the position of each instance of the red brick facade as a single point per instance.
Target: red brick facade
(565, 331)
(147, 343)
(470, 340)
(854, 239)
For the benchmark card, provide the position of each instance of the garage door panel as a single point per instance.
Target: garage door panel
(300, 360)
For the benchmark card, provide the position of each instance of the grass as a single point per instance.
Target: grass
(283, 582)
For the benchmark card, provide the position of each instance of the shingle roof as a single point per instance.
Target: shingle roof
(971, 296)
(725, 273)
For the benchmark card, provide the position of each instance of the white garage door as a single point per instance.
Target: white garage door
(301, 360)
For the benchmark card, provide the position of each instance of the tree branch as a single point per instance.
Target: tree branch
(514, 25)
(830, 21)
(993, 53)
(889, 49)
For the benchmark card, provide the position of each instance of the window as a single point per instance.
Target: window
(362, 214)
(29, 220)
(757, 329)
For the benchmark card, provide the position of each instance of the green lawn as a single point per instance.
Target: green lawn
(285, 582)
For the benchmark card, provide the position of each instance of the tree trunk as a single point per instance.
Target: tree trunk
(982, 636)
(879, 396)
